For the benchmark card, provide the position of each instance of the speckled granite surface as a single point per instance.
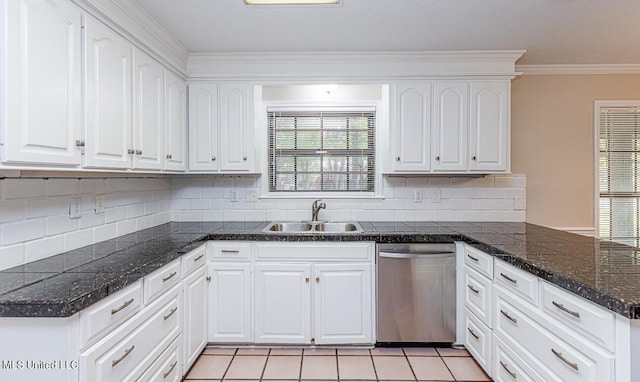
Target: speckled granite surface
(60, 286)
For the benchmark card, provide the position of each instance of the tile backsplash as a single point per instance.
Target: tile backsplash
(34, 213)
(488, 198)
(35, 223)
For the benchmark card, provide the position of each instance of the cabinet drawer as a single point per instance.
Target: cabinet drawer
(231, 250)
(580, 315)
(517, 281)
(315, 251)
(193, 260)
(161, 280)
(130, 350)
(167, 368)
(479, 261)
(477, 295)
(96, 320)
(477, 339)
(508, 367)
(552, 357)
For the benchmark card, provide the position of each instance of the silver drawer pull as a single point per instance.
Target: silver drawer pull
(474, 290)
(509, 278)
(165, 279)
(173, 366)
(126, 353)
(477, 337)
(506, 368)
(508, 316)
(229, 251)
(124, 305)
(473, 258)
(564, 309)
(170, 313)
(559, 355)
(199, 257)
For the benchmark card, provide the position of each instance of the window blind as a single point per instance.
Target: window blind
(321, 151)
(619, 163)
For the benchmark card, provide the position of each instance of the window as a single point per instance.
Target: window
(322, 150)
(619, 168)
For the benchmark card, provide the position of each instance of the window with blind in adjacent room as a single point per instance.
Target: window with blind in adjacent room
(619, 171)
(322, 150)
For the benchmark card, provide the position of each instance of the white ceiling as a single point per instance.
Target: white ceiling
(552, 31)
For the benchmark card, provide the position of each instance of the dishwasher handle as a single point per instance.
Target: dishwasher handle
(395, 255)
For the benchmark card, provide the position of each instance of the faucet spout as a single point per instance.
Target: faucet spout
(315, 209)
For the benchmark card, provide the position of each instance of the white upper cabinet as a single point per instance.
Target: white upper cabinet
(489, 125)
(148, 128)
(203, 127)
(450, 126)
(412, 138)
(175, 137)
(220, 120)
(41, 79)
(451, 113)
(108, 97)
(236, 118)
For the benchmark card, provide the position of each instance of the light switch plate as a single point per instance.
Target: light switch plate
(251, 195)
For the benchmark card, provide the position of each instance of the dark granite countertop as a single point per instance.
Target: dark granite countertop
(59, 286)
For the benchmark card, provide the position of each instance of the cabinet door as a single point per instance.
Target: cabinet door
(230, 303)
(282, 303)
(203, 127)
(343, 311)
(108, 97)
(235, 122)
(451, 118)
(148, 93)
(195, 316)
(412, 125)
(42, 82)
(489, 130)
(175, 138)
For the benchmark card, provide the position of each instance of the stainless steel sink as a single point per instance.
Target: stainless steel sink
(313, 227)
(288, 227)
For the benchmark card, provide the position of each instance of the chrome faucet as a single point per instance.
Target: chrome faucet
(315, 208)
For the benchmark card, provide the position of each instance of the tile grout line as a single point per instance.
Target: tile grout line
(375, 372)
(229, 365)
(409, 363)
(266, 362)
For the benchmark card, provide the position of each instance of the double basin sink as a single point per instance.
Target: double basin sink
(313, 227)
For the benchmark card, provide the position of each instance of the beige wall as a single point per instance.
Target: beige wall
(552, 141)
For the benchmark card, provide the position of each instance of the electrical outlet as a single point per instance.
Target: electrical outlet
(233, 195)
(75, 208)
(436, 196)
(417, 196)
(100, 202)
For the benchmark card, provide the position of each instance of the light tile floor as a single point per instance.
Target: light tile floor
(324, 364)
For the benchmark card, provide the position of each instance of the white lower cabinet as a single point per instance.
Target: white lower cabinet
(527, 332)
(129, 350)
(343, 304)
(194, 332)
(282, 303)
(230, 303)
(167, 367)
(508, 367)
(292, 293)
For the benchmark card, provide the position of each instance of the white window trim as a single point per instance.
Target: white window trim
(597, 106)
(262, 138)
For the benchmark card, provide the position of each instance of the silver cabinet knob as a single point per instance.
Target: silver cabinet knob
(213, 158)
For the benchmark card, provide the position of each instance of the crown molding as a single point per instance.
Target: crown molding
(578, 69)
(130, 20)
(353, 65)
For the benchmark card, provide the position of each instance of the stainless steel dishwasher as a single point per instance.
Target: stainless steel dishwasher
(416, 293)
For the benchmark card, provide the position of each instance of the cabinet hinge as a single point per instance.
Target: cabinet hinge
(208, 278)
